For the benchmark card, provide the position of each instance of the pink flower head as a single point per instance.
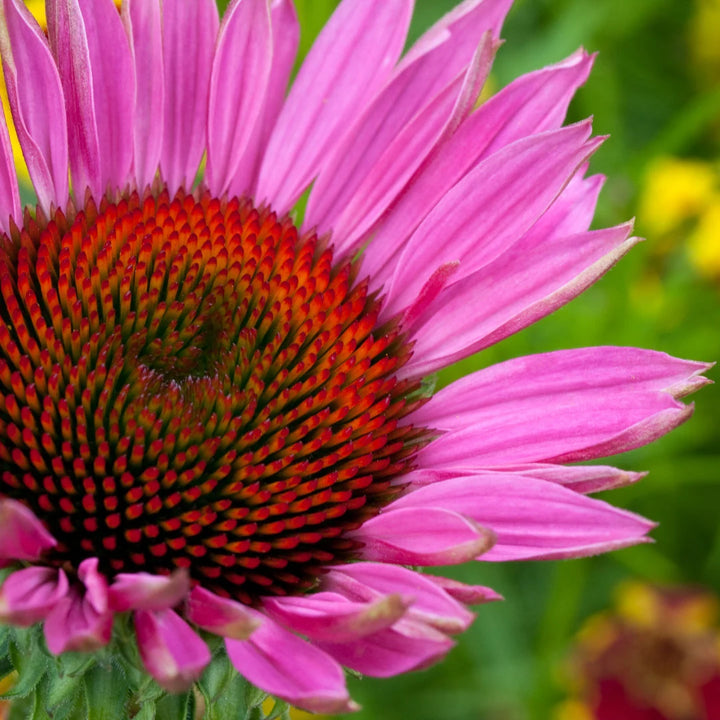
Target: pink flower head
(213, 414)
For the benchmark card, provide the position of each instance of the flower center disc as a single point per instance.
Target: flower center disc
(185, 383)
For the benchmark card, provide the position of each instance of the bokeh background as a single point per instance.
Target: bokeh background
(655, 90)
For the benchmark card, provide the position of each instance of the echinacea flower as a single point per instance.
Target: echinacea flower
(215, 420)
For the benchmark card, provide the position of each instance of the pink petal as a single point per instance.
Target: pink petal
(113, 88)
(189, 33)
(489, 209)
(28, 595)
(351, 59)
(408, 645)
(532, 104)
(22, 535)
(9, 192)
(466, 594)
(69, 44)
(580, 478)
(144, 21)
(133, 591)
(221, 616)
(405, 153)
(531, 280)
(430, 69)
(332, 617)
(238, 83)
(565, 406)
(533, 519)
(429, 536)
(366, 581)
(37, 103)
(285, 39)
(81, 621)
(280, 663)
(171, 650)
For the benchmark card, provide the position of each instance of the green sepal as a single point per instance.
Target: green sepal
(176, 707)
(31, 666)
(223, 689)
(107, 698)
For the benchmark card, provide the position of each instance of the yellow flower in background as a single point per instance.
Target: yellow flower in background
(704, 242)
(675, 190)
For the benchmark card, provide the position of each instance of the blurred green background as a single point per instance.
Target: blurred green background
(655, 90)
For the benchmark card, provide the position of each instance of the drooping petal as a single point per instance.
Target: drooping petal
(533, 519)
(22, 535)
(332, 617)
(429, 536)
(409, 645)
(280, 663)
(81, 621)
(285, 39)
(37, 104)
(533, 279)
(221, 616)
(113, 88)
(580, 478)
(431, 68)
(466, 594)
(365, 581)
(68, 41)
(350, 60)
(238, 85)
(532, 104)
(144, 21)
(489, 209)
(143, 591)
(172, 652)
(28, 595)
(565, 406)
(189, 33)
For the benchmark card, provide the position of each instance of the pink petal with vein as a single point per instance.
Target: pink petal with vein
(238, 84)
(189, 33)
(349, 62)
(426, 74)
(565, 406)
(22, 535)
(81, 621)
(280, 663)
(144, 20)
(68, 40)
(531, 280)
(172, 652)
(113, 89)
(133, 591)
(429, 536)
(9, 192)
(37, 104)
(533, 519)
(489, 209)
(532, 104)
(332, 617)
(285, 39)
(29, 594)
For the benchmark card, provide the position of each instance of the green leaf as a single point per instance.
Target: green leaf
(176, 707)
(31, 667)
